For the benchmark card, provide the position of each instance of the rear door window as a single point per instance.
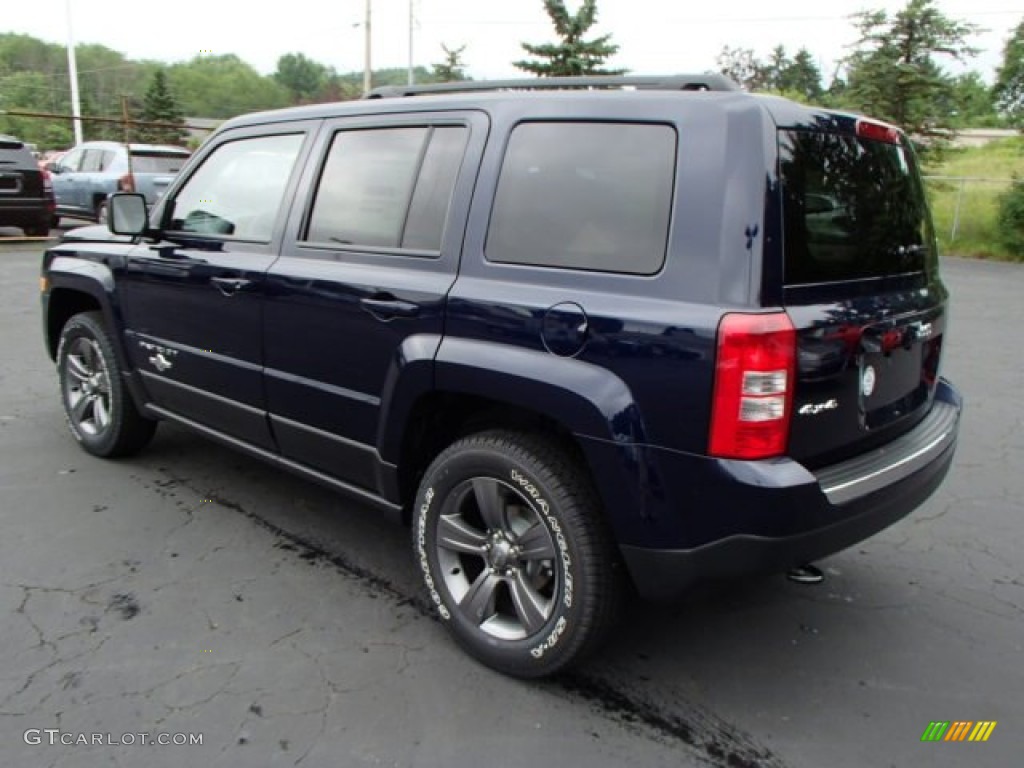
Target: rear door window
(590, 196)
(387, 187)
(853, 208)
(92, 161)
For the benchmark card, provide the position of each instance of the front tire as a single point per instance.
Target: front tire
(97, 406)
(515, 555)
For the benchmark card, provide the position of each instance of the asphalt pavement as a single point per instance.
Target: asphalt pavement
(192, 591)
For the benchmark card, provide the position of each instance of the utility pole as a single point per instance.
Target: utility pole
(367, 84)
(412, 21)
(76, 106)
(127, 120)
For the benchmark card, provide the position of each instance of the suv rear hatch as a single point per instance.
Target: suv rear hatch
(860, 284)
(20, 176)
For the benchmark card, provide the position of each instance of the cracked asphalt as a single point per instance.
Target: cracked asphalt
(192, 590)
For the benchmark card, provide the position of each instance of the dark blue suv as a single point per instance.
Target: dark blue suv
(581, 337)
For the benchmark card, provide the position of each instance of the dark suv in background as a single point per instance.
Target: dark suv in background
(26, 194)
(580, 336)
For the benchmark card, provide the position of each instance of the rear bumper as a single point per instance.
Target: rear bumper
(25, 209)
(822, 512)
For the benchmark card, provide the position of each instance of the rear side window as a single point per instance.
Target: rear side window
(388, 187)
(591, 196)
(853, 208)
(157, 162)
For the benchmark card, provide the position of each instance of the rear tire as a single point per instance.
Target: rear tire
(36, 230)
(97, 405)
(514, 552)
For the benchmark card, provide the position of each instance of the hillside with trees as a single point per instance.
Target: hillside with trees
(897, 71)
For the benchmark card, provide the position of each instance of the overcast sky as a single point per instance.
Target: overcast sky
(655, 36)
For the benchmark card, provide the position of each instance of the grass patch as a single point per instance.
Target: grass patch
(987, 172)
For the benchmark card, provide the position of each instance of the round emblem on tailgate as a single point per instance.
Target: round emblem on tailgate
(867, 381)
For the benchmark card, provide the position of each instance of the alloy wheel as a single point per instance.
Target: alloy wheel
(498, 559)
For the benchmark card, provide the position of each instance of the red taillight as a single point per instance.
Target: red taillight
(126, 183)
(754, 379)
(869, 129)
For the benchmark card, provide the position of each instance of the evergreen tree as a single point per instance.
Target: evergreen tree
(894, 75)
(453, 68)
(1009, 87)
(160, 106)
(972, 104)
(800, 75)
(572, 55)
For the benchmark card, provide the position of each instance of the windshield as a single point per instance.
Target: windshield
(853, 208)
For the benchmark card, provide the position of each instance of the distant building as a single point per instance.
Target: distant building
(979, 137)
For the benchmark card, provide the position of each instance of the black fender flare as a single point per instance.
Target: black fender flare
(589, 401)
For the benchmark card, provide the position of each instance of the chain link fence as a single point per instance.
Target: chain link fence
(965, 210)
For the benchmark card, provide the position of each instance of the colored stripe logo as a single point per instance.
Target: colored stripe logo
(958, 730)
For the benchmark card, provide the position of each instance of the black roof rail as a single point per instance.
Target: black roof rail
(704, 82)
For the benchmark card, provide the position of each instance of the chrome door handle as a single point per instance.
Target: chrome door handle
(229, 286)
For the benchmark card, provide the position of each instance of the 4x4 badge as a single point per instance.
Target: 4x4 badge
(160, 362)
(812, 409)
(161, 357)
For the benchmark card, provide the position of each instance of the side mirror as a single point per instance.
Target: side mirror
(127, 214)
(54, 168)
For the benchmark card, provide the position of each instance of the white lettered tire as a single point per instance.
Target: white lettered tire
(508, 534)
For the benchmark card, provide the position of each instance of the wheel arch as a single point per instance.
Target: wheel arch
(78, 285)
(470, 386)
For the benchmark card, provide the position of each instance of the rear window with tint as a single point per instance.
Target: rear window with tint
(153, 162)
(852, 208)
(590, 196)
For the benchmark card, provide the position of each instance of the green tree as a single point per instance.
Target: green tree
(35, 92)
(224, 86)
(743, 66)
(1011, 219)
(453, 68)
(303, 77)
(1009, 87)
(160, 106)
(893, 74)
(972, 104)
(572, 55)
(801, 75)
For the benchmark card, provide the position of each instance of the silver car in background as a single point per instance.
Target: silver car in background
(86, 175)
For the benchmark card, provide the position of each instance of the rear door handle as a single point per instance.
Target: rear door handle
(229, 286)
(385, 307)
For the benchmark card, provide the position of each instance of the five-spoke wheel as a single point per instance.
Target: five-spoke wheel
(511, 540)
(87, 386)
(99, 409)
(498, 558)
